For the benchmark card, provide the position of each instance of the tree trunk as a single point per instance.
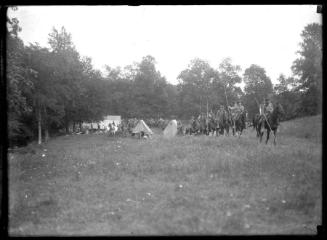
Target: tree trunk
(80, 126)
(46, 129)
(67, 125)
(46, 134)
(74, 128)
(39, 128)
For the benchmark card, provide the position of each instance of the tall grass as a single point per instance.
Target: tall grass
(97, 185)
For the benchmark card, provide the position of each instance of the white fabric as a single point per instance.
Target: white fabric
(171, 129)
(142, 127)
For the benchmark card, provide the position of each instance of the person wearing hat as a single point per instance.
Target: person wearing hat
(234, 109)
(240, 105)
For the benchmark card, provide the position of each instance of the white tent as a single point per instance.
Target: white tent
(142, 127)
(171, 129)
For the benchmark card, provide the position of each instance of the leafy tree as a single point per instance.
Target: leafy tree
(308, 67)
(16, 84)
(148, 93)
(46, 107)
(286, 94)
(257, 86)
(67, 70)
(197, 87)
(229, 76)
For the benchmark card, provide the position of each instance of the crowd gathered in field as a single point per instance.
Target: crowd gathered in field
(219, 122)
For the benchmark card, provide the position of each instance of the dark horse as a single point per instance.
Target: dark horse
(270, 123)
(223, 121)
(238, 124)
(193, 128)
(212, 126)
(255, 120)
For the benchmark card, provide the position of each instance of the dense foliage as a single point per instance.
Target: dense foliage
(52, 88)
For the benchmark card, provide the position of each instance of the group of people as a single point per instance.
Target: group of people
(233, 115)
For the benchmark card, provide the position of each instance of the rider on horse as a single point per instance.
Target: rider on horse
(221, 114)
(243, 113)
(266, 108)
(236, 110)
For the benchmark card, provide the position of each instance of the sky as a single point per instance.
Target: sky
(268, 36)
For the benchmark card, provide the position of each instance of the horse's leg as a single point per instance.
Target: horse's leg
(275, 137)
(268, 133)
(260, 133)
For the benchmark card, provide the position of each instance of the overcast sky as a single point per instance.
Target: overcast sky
(268, 36)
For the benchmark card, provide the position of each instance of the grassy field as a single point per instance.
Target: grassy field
(100, 185)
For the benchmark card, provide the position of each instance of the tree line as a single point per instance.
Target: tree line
(51, 88)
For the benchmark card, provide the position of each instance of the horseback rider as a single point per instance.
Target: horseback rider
(235, 110)
(242, 112)
(240, 105)
(210, 114)
(192, 120)
(221, 113)
(268, 107)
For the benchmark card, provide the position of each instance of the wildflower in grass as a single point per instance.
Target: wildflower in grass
(247, 206)
(43, 155)
(228, 214)
(149, 194)
(264, 200)
(283, 201)
(246, 226)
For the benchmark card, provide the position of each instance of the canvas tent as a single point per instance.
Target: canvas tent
(142, 127)
(171, 129)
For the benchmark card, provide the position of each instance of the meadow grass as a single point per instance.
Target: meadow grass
(100, 185)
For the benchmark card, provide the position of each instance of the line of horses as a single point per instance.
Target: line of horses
(215, 125)
(221, 126)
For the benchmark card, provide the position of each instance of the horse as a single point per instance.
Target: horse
(239, 123)
(212, 126)
(195, 127)
(223, 123)
(255, 122)
(270, 123)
